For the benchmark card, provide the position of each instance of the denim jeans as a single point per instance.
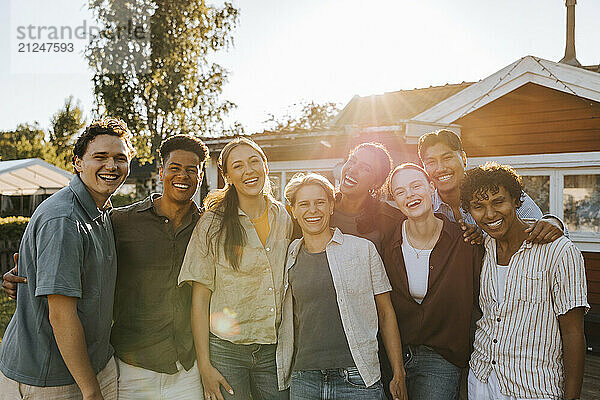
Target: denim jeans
(333, 384)
(429, 376)
(250, 369)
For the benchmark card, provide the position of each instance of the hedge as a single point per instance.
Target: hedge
(12, 228)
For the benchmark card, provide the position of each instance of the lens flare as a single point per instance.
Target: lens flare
(224, 323)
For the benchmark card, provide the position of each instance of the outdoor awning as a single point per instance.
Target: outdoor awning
(31, 176)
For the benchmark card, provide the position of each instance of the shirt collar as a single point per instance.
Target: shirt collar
(148, 204)
(85, 198)
(448, 228)
(337, 238)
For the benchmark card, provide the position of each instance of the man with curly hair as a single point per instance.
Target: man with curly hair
(57, 344)
(529, 342)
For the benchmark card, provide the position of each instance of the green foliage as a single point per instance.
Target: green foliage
(12, 228)
(66, 124)
(27, 141)
(120, 200)
(166, 84)
(7, 309)
(304, 116)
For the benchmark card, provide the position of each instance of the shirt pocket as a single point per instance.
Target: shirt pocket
(531, 286)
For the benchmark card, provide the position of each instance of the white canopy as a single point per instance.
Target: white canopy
(31, 176)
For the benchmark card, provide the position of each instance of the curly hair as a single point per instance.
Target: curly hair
(104, 126)
(183, 142)
(490, 177)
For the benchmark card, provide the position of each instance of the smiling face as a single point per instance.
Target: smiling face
(445, 166)
(360, 173)
(103, 167)
(494, 211)
(312, 209)
(246, 170)
(412, 192)
(181, 174)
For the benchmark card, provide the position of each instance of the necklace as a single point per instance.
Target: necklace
(428, 245)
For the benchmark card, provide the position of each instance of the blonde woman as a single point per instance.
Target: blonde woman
(235, 263)
(336, 299)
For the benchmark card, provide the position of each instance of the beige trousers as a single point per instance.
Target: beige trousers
(13, 390)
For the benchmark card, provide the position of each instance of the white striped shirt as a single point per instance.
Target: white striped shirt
(520, 339)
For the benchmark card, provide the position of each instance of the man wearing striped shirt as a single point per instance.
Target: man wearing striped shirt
(529, 344)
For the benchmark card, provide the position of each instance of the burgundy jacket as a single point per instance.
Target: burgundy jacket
(443, 320)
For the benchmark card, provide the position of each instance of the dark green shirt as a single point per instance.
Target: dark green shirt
(67, 249)
(152, 327)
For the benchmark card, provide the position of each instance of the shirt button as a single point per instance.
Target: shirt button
(495, 340)
(166, 220)
(268, 249)
(493, 362)
(431, 267)
(498, 319)
(272, 309)
(270, 289)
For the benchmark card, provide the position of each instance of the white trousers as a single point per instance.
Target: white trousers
(488, 391)
(139, 383)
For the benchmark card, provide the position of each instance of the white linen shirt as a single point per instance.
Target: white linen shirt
(520, 339)
(358, 275)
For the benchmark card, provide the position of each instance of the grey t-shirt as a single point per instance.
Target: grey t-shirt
(320, 338)
(67, 249)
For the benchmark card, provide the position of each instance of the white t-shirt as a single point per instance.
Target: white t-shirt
(501, 272)
(417, 268)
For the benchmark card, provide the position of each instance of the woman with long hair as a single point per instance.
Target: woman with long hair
(235, 263)
(434, 275)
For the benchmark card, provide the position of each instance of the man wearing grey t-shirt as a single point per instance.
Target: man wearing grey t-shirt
(57, 344)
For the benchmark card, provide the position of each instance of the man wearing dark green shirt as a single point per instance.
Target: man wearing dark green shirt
(152, 333)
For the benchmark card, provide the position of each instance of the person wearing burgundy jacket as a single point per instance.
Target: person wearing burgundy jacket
(434, 275)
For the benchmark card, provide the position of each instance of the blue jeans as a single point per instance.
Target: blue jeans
(250, 369)
(333, 384)
(430, 376)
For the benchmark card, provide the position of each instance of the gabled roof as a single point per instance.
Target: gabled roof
(577, 81)
(31, 176)
(394, 107)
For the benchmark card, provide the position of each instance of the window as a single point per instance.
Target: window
(581, 202)
(538, 188)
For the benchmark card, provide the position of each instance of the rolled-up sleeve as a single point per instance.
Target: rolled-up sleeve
(199, 263)
(59, 258)
(379, 278)
(569, 288)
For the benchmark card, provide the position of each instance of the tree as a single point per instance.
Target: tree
(164, 83)
(27, 141)
(65, 125)
(304, 116)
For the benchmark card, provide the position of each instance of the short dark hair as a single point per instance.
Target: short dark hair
(183, 142)
(490, 176)
(401, 167)
(444, 136)
(103, 126)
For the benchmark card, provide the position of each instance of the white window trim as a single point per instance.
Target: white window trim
(323, 165)
(556, 166)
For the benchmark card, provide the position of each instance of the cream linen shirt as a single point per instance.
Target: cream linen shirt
(519, 339)
(358, 275)
(245, 306)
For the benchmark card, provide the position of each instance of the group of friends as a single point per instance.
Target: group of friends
(334, 295)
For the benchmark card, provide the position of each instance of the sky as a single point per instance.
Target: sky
(290, 51)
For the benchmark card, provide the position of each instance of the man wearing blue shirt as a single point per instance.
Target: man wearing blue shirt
(57, 344)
